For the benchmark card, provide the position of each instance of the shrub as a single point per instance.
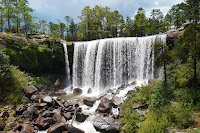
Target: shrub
(156, 122)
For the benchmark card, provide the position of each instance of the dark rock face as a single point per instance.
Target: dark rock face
(58, 128)
(80, 117)
(20, 109)
(89, 101)
(67, 115)
(77, 91)
(2, 125)
(30, 90)
(89, 91)
(104, 106)
(72, 129)
(107, 125)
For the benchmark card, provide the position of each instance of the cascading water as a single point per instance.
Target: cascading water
(108, 63)
(68, 78)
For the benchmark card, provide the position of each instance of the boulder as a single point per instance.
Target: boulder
(58, 118)
(89, 101)
(20, 109)
(60, 93)
(80, 117)
(107, 125)
(37, 98)
(77, 91)
(47, 113)
(47, 99)
(116, 101)
(31, 113)
(67, 115)
(4, 114)
(2, 125)
(44, 123)
(57, 128)
(30, 90)
(26, 128)
(72, 129)
(104, 106)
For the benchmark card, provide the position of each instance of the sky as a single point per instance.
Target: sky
(52, 10)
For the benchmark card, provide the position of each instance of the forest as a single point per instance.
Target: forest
(171, 104)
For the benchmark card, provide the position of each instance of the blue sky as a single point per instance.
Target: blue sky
(52, 10)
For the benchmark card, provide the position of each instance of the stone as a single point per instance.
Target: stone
(67, 115)
(80, 117)
(57, 128)
(47, 99)
(4, 114)
(77, 91)
(37, 98)
(116, 101)
(72, 129)
(89, 91)
(107, 125)
(2, 125)
(20, 109)
(60, 93)
(44, 123)
(40, 105)
(30, 90)
(26, 128)
(58, 118)
(104, 106)
(89, 101)
(31, 113)
(47, 113)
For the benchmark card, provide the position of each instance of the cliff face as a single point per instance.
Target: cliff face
(172, 35)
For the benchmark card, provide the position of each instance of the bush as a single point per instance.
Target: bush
(156, 122)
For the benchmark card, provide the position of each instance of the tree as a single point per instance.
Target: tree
(1, 15)
(193, 10)
(141, 22)
(43, 24)
(162, 58)
(68, 19)
(156, 22)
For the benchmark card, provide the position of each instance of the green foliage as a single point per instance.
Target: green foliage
(12, 80)
(143, 94)
(156, 122)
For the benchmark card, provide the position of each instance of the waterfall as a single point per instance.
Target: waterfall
(108, 63)
(68, 78)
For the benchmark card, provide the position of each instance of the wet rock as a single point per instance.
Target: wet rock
(80, 117)
(2, 125)
(47, 99)
(40, 105)
(89, 91)
(58, 118)
(58, 128)
(77, 91)
(26, 128)
(36, 98)
(67, 115)
(47, 113)
(20, 109)
(89, 101)
(31, 113)
(104, 106)
(30, 90)
(60, 93)
(116, 101)
(73, 129)
(4, 114)
(107, 125)
(44, 123)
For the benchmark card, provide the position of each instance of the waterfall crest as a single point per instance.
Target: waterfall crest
(108, 63)
(68, 78)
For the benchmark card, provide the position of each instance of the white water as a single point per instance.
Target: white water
(108, 63)
(68, 78)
